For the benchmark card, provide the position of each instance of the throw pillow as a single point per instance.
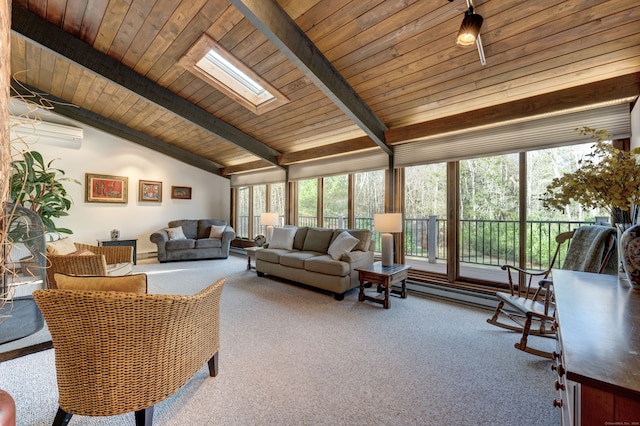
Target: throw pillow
(136, 283)
(176, 233)
(282, 238)
(61, 246)
(216, 231)
(343, 244)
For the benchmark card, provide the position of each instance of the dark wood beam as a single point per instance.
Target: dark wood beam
(338, 148)
(284, 33)
(251, 166)
(62, 107)
(613, 89)
(37, 30)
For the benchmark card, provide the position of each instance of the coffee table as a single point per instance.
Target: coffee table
(384, 277)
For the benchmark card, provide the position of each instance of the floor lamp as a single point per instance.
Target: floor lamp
(269, 220)
(387, 223)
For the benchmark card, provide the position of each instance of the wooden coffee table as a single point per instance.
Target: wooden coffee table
(384, 277)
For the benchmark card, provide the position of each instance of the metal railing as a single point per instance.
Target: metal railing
(482, 242)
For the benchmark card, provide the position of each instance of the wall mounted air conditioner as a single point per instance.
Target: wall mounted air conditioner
(31, 131)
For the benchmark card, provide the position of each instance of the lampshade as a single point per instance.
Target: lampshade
(387, 222)
(470, 28)
(269, 219)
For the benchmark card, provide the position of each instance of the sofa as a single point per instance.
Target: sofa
(193, 239)
(321, 258)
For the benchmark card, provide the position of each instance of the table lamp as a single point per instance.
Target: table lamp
(387, 223)
(269, 220)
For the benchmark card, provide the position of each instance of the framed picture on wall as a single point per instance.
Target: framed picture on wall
(106, 188)
(150, 190)
(181, 192)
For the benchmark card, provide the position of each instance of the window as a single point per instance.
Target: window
(219, 68)
(308, 202)
(335, 201)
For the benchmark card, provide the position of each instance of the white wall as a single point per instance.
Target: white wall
(102, 153)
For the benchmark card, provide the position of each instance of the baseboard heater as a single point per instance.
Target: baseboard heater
(453, 294)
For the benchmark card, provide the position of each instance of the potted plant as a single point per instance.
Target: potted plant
(607, 178)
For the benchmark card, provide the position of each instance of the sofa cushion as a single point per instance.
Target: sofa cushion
(176, 233)
(326, 265)
(204, 227)
(189, 227)
(298, 240)
(282, 238)
(61, 246)
(136, 283)
(364, 235)
(209, 243)
(296, 259)
(216, 231)
(271, 255)
(119, 269)
(341, 245)
(180, 244)
(317, 239)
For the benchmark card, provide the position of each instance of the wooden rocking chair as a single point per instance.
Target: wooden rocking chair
(530, 300)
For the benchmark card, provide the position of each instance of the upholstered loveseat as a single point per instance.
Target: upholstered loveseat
(317, 257)
(192, 239)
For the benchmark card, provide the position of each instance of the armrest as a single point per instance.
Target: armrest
(228, 235)
(112, 254)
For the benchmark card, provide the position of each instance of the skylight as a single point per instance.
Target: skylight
(216, 66)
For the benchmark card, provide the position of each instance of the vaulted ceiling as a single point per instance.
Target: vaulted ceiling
(359, 74)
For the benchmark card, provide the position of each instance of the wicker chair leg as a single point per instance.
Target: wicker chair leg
(62, 418)
(144, 417)
(213, 365)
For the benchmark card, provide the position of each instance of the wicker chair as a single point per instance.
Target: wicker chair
(98, 265)
(121, 352)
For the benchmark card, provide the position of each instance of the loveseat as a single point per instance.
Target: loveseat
(317, 257)
(192, 239)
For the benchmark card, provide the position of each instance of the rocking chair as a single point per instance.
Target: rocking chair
(528, 302)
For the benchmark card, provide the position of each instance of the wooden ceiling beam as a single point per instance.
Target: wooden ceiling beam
(62, 107)
(30, 26)
(338, 148)
(251, 166)
(610, 90)
(285, 34)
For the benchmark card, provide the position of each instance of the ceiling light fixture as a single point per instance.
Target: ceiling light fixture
(469, 32)
(470, 28)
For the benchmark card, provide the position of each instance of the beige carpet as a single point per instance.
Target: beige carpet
(292, 356)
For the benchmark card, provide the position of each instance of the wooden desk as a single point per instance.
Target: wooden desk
(384, 277)
(598, 354)
(121, 242)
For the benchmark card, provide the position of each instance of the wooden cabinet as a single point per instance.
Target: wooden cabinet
(598, 355)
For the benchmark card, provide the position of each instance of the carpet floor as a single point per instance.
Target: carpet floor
(293, 356)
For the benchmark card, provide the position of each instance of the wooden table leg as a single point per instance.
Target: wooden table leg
(361, 295)
(387, 284)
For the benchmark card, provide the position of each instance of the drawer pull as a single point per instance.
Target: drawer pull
(557, 403)
(559, 386)
(559, 368)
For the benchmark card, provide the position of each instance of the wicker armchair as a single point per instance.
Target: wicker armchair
(102, 264)
(121, 352)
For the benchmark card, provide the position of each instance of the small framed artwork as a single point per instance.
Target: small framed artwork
(106, 188)
(181, 192)
(150, 190)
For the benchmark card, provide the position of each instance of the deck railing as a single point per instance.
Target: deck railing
(482, 242)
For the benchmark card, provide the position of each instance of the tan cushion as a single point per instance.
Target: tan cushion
(82, 252)
(318, 240)
(216, 231)
(61, 246)
(296, 259)
(326, 265)
(176, 233)
(282, 238)
(136, 283)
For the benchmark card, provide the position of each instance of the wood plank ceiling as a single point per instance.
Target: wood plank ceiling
(360, 75)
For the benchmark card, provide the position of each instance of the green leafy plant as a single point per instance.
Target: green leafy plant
(607, 178)
(39, 187)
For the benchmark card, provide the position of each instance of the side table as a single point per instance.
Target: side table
(384, 277)
(120, 242)
(251, 254)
